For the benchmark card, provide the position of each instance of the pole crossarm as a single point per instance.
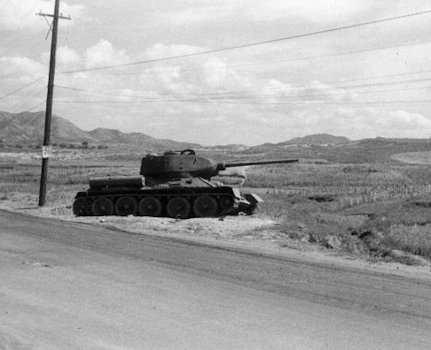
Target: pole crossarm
(51, 15)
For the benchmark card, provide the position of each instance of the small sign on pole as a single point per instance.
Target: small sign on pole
(46, 152)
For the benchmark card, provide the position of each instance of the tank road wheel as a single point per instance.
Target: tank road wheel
(178, 208)
(126, 206)
(82, 207)
(103, 206)
(226, 202)
(150, 206)
(205, 206)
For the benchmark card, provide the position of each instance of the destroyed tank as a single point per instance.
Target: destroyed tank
(175, 184)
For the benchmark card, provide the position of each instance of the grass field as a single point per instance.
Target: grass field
(376, 209)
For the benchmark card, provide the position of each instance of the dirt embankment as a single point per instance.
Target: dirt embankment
(255, 232)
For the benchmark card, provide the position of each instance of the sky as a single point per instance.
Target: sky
(118, 67)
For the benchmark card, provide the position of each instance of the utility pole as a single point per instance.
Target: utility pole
(48, 112)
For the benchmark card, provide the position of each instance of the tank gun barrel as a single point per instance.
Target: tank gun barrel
(223, 165)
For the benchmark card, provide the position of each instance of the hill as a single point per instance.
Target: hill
(28, 128)
(377, 150)
(316, 139)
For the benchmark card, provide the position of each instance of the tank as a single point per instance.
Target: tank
(176, 184)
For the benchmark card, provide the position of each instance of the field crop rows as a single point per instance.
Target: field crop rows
(310, 201)
(313, 201)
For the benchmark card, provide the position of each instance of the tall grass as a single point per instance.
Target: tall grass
(289, 193)
(380, 190)
(414, 239)
(351, 185)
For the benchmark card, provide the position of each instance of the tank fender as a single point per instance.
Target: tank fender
(253, 198)
(236, 192)
(117, 181)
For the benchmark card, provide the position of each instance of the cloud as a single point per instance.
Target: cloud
(270, 10)
(160, 50)
(357, 123)
(18, 72)
(103, 53)
(67, 56)
(19, 14)
(315, 11)
(20, 68)
(205, 97)
(212, 102)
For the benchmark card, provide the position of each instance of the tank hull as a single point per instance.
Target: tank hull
(181, 202)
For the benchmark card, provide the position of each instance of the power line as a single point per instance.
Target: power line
(215, 98)
(258, 63)
(265, 92)
(28, 99)
(262, 63)
(22, 87)
(264, 42)
(35, 106)
(309, 102)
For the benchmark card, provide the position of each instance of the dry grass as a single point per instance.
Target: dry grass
(354, 199)
(310, 201)
(414, 239)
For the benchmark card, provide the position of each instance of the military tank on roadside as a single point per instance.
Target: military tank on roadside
(175, 184)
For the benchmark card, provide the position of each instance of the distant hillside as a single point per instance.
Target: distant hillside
(317, 139)
(28, 128)
(377, 150)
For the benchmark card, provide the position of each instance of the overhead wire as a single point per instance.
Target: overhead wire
(259, 63)
(230, 95)
(242, 46)
(267, 91)
(27, 99)
(246, 100)
(35, 106)
(13, 92)
(309, 102)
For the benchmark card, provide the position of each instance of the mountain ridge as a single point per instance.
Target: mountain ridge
(28, 128)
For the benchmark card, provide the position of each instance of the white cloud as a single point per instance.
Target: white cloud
(211, 102)
(20, 69)
(315, 11)
(359, 123)
(270, 102)
(21, 14)
(103, 53)
(160, 50)
(19, 72)
(67, 56)
(269, 10)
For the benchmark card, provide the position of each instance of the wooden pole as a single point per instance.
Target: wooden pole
(48, 112)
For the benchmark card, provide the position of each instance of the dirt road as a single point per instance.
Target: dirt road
(76, 286)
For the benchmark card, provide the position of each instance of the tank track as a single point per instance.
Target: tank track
(179, 204)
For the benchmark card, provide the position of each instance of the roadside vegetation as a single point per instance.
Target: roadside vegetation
(380, 210)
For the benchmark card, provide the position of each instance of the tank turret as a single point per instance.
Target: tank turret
(173, 165)
(175, 184)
